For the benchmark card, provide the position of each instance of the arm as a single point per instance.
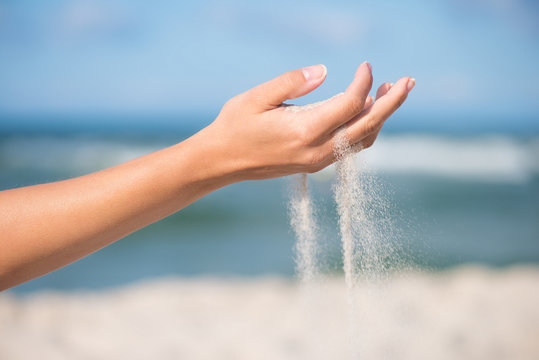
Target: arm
(47, 226)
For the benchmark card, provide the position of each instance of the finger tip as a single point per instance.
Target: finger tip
(364, 67)
(369, 101)
(400, 84)
(410, 84)
(386, 87)
(383, 89)
(368, 65)
(322, 77)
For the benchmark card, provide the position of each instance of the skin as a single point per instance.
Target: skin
(44, 227)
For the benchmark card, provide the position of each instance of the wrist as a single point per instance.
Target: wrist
(207, 161)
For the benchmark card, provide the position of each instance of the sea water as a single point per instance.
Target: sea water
(456, 191)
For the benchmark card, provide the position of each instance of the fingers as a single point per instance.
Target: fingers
(367, 142)
(342, 108)
(370, 139)
(383, 89)
(363, 130)
(368, 102)
(371, 120)
(287, 86)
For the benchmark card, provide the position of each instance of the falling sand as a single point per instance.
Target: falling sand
(364, 220)
(357, 207)
(303, 223)
(302, 216)
(365, 229)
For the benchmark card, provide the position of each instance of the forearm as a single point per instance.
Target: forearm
(47, 226)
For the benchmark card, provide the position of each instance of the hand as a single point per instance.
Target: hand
(261, 138)
(255, 136)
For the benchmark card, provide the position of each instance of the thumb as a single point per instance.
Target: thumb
(289, 85)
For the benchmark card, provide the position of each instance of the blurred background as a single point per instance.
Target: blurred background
(88, 84)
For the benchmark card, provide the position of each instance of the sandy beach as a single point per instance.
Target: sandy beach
(463, 313)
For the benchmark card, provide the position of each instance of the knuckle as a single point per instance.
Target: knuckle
(371, 80)
(399, 102)
(233, 102)
(370, 124)
(294, 77)
(367, 143)
(314, 160)
(355, 105)
(316, 168)
(289, 81)
(304, 135)
(319, 166)
(357, 147)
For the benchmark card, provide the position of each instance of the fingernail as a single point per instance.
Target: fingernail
(368, 65)
(410, 85)
(314, 72)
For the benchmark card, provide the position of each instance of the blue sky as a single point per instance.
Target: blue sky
(470, 57)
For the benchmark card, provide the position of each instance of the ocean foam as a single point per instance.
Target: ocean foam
(493, 159)
(499, 158)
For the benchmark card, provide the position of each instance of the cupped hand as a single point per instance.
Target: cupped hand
(261, 137)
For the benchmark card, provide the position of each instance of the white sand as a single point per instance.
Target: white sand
(301, 108)
(302, 220)
(467, 313)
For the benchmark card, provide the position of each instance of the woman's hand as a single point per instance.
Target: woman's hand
(255, 136)
(263, 138)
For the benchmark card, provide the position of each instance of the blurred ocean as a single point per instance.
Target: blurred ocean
(454, 199)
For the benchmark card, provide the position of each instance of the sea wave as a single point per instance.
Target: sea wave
(495, 158)
(68, 154)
